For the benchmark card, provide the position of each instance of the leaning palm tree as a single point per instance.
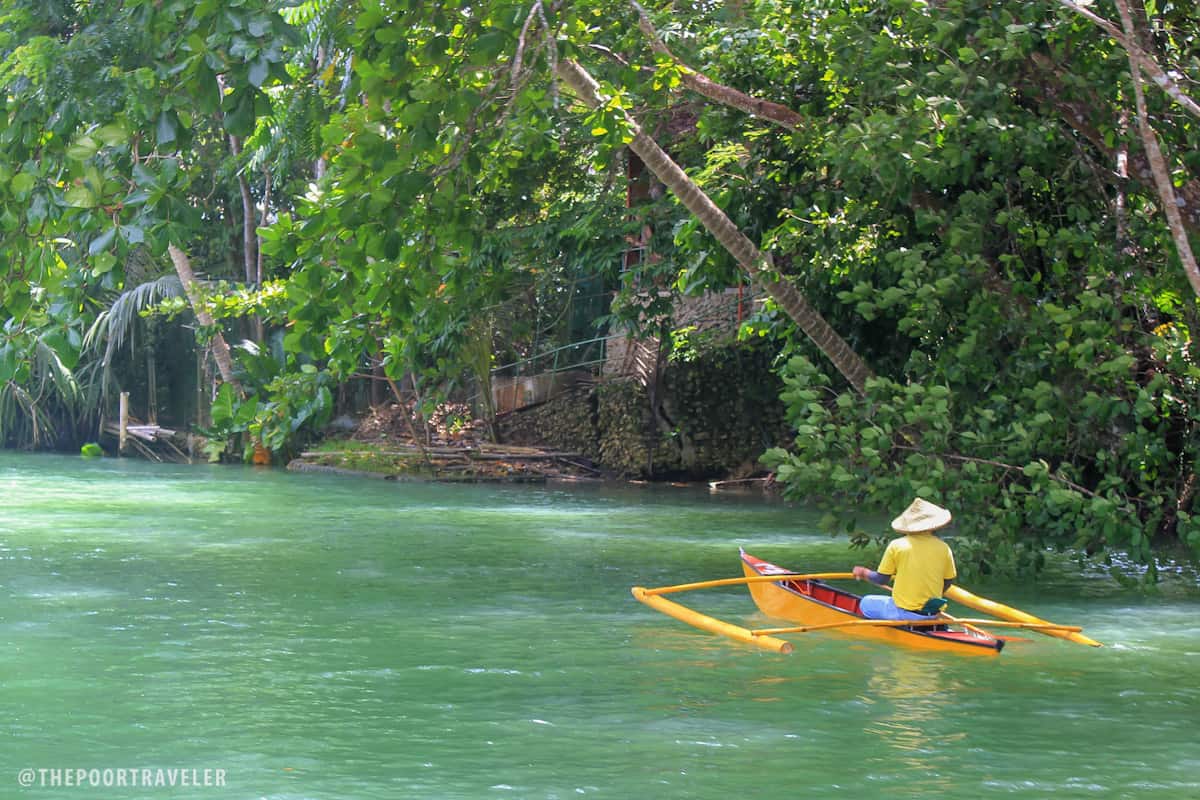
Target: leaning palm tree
(755, 263)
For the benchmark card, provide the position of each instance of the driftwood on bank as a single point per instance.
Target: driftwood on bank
(148, 441)
(483, 452)
(468, 461)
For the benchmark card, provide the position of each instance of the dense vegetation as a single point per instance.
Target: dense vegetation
(973, 218)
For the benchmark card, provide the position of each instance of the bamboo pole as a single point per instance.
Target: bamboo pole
(705, 622)
(912, 623)
(1030, 626)
(965, 623)
(786, 576)
(123, 423)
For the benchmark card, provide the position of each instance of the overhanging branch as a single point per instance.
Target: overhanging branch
(726, 95)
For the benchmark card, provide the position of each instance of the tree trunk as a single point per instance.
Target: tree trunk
(758, 266)
(249, 233)
(1158, 164)
(412, 431)
(251, 261)
(183, 267)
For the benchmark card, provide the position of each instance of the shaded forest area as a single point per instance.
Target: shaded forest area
(973, 223)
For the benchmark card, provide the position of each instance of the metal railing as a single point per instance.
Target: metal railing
(594, 350)
(560, 359)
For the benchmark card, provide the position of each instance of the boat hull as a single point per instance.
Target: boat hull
(812, 602)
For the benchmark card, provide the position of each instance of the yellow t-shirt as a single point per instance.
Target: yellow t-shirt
(920, 563)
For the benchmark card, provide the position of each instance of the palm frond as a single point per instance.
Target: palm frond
(49, 370)
(116, 322)
(21, 416)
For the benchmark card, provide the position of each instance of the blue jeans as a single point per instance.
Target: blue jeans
(882, 606)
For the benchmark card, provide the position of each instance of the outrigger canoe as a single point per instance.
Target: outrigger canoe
(815, 605)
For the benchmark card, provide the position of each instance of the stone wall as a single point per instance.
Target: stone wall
(720, 411)
(714, 312)
(716, 415)
(564, 422)
(624, 432)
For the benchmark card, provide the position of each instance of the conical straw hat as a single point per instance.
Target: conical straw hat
(921, 517)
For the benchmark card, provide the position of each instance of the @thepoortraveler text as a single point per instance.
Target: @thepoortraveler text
(108, 777)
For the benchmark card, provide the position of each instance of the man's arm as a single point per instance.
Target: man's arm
(865, 574)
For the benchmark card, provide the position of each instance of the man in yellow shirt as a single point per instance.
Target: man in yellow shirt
(920, 563)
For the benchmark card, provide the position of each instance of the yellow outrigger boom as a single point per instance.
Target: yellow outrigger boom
(960, 595)
(652, 598)
(772, 578)
(711, 624)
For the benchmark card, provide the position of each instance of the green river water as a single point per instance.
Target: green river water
(316, 636)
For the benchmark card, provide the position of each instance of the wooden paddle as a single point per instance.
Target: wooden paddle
(944, 617)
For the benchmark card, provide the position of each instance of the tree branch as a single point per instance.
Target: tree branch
(726, 95)
(1138, 58)
(183, 266)
(1000, 464)
(1049, 87)
(1158, 164)
(519, 57)
(756, 264)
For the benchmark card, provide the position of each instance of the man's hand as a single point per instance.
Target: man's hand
(862, 573)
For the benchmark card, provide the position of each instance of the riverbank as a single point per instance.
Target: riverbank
(475, 462)
(455, 449)
(450, 447)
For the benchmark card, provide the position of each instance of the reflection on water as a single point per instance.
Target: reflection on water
(910, 698)
(914, 692)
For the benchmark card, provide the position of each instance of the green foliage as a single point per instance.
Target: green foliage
(283, 410)
(1036, 352)
(946, 202)
(1012, 467)
(112, 130)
